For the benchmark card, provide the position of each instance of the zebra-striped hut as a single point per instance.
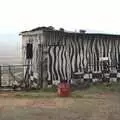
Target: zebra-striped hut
(61, 55)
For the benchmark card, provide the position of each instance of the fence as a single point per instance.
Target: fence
(20, 75)
(12, 75)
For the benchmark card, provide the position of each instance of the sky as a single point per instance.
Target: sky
(21, 15)
(98, 15)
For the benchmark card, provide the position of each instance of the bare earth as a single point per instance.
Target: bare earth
(97, 107)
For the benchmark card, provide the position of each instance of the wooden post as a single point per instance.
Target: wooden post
(40, 67)
(9, 75)
(0, 76)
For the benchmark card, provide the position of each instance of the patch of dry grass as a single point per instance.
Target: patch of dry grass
(88, 107)
(95, 103)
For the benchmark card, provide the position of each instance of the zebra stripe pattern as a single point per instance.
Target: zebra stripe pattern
(80, 53)
(71, 53)
(57, 63)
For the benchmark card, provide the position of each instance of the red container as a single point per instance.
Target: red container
(63, 89)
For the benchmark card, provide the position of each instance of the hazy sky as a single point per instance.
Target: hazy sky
(99, 15)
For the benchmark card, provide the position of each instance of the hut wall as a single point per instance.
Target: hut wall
(58, 55)
(75, 53)
(34, 70)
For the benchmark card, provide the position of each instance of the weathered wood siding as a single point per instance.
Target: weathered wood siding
(72, 53)
(58, 55)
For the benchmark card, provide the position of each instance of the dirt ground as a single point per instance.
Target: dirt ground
(96, 107)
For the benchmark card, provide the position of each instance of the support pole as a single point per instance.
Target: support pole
(40, 84)
(41, 66)
(0, 76)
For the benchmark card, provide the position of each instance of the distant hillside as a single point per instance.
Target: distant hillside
(10, 49)
(10, 60)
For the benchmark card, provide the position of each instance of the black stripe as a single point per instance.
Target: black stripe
(59, 62)
(50, 63)
(55, 75)
(65, 63)
(62, 63)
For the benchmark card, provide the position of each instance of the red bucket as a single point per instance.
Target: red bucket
(63, 89)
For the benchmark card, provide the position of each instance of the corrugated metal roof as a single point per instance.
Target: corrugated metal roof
(51, 29)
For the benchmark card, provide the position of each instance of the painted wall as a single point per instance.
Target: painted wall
(63, 54)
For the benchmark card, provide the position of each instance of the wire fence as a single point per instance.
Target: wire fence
(11, 75)
(19, 75)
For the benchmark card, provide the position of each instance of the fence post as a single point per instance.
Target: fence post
(0, 75)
